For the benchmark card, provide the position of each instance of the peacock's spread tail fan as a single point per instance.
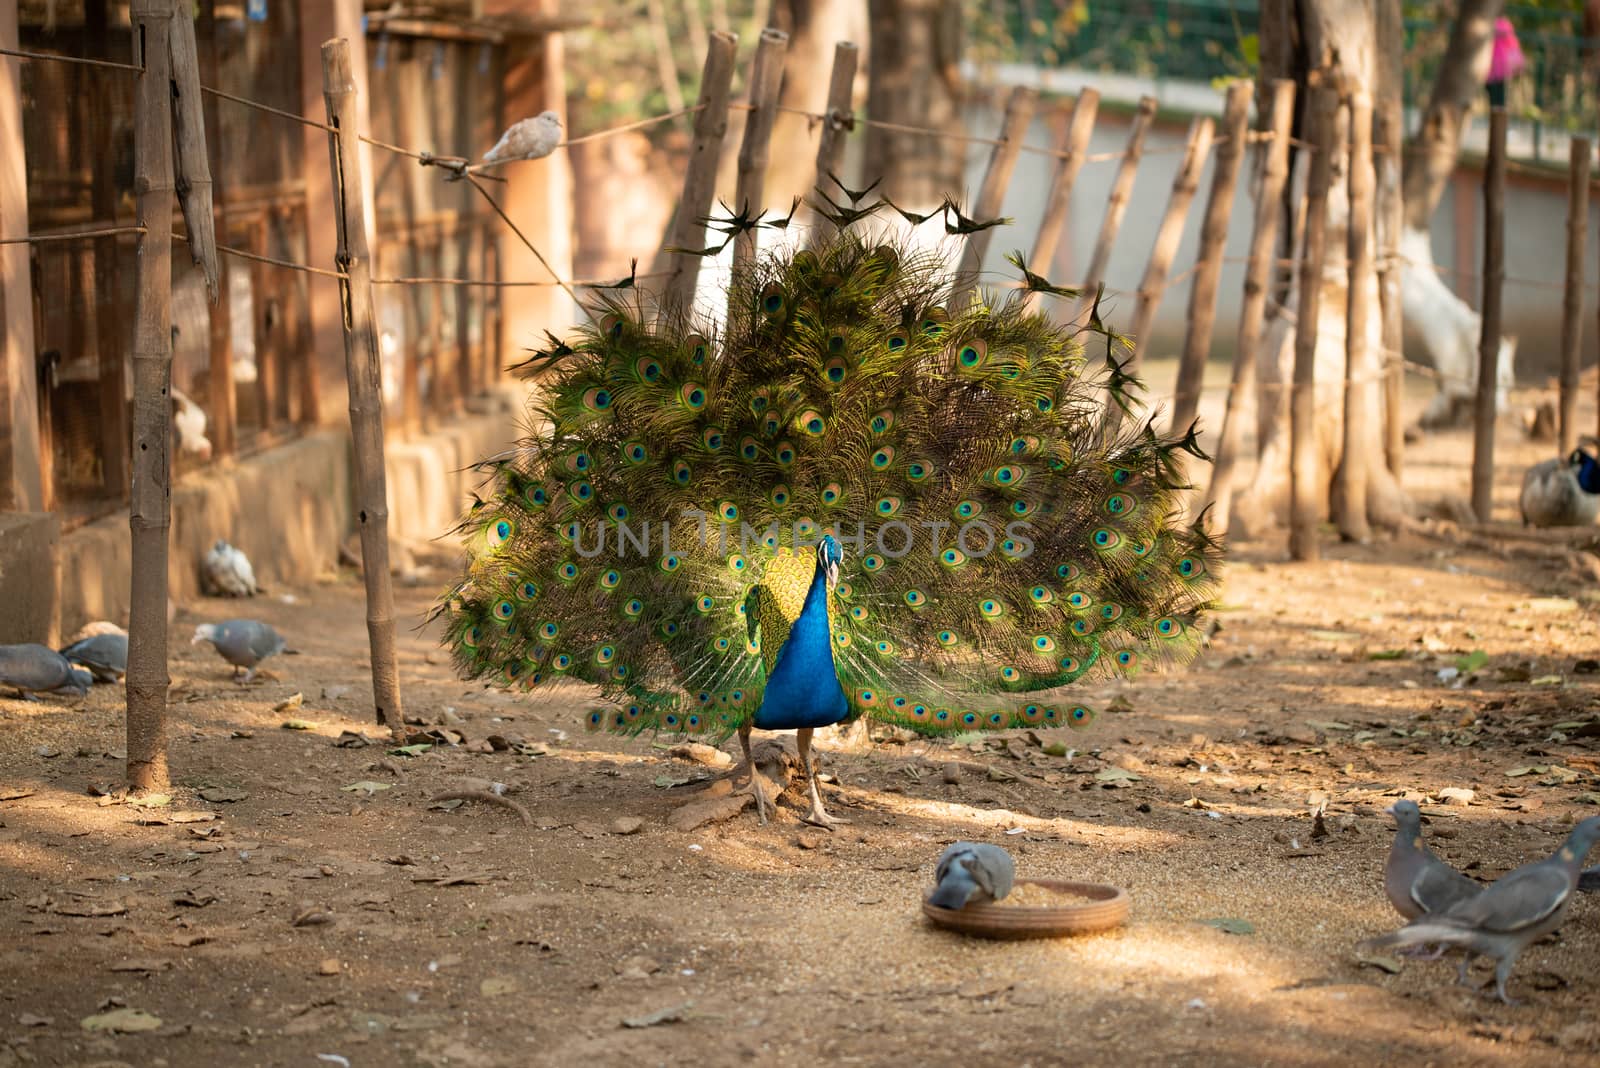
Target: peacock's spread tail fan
(659, 537)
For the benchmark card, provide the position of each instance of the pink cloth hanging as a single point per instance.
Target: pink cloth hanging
(1506, 61)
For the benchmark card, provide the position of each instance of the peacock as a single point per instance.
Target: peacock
(859, 497)
(1563, 492)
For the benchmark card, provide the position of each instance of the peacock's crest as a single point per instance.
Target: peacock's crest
(656, 536)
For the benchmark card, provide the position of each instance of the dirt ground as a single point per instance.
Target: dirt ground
(305, 916)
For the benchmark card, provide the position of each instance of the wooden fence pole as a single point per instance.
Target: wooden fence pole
(364, 373)
(1170, 232)
(1388, 148)
(1117, 202)
(1278, 120)
(222, 404)
(839, 118)
(700, 176)
(766, 73)
(1360, 369)
(992, 193)
(1073, 145)
(1494, 277)
(1305, 469)
(191, 167)
(150, 500)
(1572, 299)
(1213, 242)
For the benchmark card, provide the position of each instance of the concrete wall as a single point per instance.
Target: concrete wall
(28, 604)
(289, 509)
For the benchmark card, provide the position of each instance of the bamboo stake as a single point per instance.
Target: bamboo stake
(1213, 242)
(1388, 144)
(1572, 299)
(1360, 378)
(1279, 120)
(992, 193)
(1073, 144)
(150, 501)
(1305, 483)
(222, 404)
(1494, 277)
(191, 168)
(750, 190)
(700, 176)
(840, 118)
(364, 373)
(1117, 202)
(1156, 271)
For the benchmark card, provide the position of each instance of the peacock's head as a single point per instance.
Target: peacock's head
(1585, 467)
(829, 557)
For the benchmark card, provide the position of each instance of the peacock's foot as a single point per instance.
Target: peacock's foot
(760, 796)
(818, 817)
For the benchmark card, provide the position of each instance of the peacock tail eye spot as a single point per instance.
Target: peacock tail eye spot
(569, 571)
(723, 645)
(888, 505)
(647, 369)
(779, 495)
(669, 629)
(500, 532)
(1121, 476)
(1010, 674)
(916, 598)
(842, 640)
(968, 509)
(758, 402)
(749, 449)
(804, 527)
(705, 603)
(952, 558)
(727, 511)
(1068, 571)
(1045, 405)
(867, 697)
(1069, 664)
(997, 719)
(681, 473)
(933, 321)
(883, 457)
(882, 421)
(1127, 658)
(885, 649)
(1119, 504)
(736, 563)
(634, 608)
(1021, 508)
(611, 326)
(1079, 716)
(836, 343)
(1009, 547)
(618, 512)
(504, 610)
(831, 493)
(972, 354)
(916, 471)
(772, 299)
(693, 395)
(1141, 548)
(699, 348)
(1041, 595)
(536, 496)
(1166, 626)
(527, 591)
(634, 453)
(872, 562)
(991, 608)
(1107, 539)
(712, 438)
(942, 715)
(1082, 627)
(948, 638)
(596, 717)
(835, 369)
(549, 630)
(605, 654)
(785, 454)
(898, 341)
(812, 423)
(1110, 612)
(670, 562)
(845, 590)
(858, 613)
(597, 400)
(1006, 476)
(471, 636)
(969, 719)
(1190, 567)
(611, 578)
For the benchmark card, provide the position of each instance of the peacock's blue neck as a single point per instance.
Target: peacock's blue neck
(1589, 474)
(803, 689)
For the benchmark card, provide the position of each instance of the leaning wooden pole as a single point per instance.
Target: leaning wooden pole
(839, 118)
(1208, 260)
(364, 373)
(1388, 143)
(1117, 202)
(1572, 299)
(192, 168)
(1278, 121)
(992, 193)
(1156, 272)
(700, 176)
(750, 189)
(1494, 277)
(150, 485)
(1072, 146)
(1360, 369)
(1305, 468)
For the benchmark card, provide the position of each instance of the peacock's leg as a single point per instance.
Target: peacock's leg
(750, 766)
(817, 815)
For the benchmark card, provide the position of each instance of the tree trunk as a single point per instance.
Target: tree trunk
(814, 28)
(1431, 156)
(915, 81)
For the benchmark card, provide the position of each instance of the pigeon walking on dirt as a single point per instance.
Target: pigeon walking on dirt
(105, 655)
(532, 138)
(32, 669)
(1417, 881)
(244, 643)
(972, 871)
(1509, 915)
(227, 572)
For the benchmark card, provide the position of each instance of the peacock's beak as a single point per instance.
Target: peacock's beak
(833, 574)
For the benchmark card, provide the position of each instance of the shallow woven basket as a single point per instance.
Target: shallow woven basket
(1108, 907)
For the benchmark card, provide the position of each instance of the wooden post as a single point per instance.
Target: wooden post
(364, 371)
(1360, 369)
(110, 310)
(191, 167)
(1305, 469)
(1278, 120)
(749, 195)
(700, 176)
(992, 193)
(1168, 235)
(1213, 242)
(1388, 137)
(839, 115)
(1494, 277)
(1117, 202)
(1572, 299)
(222, 406)
(23, 481)
(1073, 145)
(150, 503)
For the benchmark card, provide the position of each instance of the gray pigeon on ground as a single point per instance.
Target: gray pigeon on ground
(972, 871)
(35, 669)
(1509, 915)
(244, 643)
(1416, 881)
(105, 655)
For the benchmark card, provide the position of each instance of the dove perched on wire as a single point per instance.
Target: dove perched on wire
(972, 871)
(1509, 915)
(244, 643)
(226, 572)
(532, 138)
(105, 655)
(32, 669)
